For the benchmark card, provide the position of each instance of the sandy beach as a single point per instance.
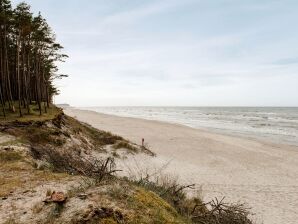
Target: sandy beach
(264, 175)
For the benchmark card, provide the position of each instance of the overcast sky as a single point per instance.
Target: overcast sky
(176, 52)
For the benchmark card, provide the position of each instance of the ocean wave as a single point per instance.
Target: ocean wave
(279, 124)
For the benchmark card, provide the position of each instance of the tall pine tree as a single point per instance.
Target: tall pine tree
(28, 57)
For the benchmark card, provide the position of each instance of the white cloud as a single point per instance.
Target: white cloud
(174, 52)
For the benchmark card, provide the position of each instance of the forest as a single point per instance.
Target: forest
(28, 60)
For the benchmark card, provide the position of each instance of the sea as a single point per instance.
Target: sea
(275, 124)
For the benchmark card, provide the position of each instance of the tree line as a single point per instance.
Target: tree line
(28, 57)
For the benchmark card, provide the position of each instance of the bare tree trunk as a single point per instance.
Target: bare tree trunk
(44, 95)
(2, 102)
(47, 96)
(18, 75)
(37, 72)
(27, 81)
(7, 70)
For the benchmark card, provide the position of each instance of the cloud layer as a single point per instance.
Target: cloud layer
(170, 52)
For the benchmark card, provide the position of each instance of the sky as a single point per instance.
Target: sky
(176, 52)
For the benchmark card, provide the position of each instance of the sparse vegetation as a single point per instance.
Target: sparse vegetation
(37, 208)
(156, 209)
(50, 133)
(33, 116)
(83, 186)
(65, 145)
(54, 213)
(221, 213)
(125, 145)
(9, 156)
(10, 221)
(23, 173)
(193, 209)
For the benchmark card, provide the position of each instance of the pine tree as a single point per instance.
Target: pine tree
(28, 56)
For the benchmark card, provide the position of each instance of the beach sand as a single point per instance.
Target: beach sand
(264, 175)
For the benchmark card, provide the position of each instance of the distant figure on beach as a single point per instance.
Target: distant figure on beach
(143, 140)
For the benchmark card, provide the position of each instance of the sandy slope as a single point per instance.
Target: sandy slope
(264, 175)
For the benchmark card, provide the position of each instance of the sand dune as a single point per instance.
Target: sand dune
(262, 174)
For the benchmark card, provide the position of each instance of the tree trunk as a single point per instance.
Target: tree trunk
(7, 70)
(2, 102)
(18, 75)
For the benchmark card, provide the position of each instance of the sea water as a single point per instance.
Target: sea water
(276, 124)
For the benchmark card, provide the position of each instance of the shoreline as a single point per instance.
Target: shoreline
(262, 174)
(246, 134)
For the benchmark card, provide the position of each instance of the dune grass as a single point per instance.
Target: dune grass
(140, 200)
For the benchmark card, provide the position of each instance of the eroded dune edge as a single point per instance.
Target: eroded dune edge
(55, 169)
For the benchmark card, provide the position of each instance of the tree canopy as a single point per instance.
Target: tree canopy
(28, 59)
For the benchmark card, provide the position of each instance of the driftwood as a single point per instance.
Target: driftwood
(98, 169)
(220, 213)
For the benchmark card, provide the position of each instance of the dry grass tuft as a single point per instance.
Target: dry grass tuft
(126, 145)
(10, 221)
(37, 208)
(9, 156)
